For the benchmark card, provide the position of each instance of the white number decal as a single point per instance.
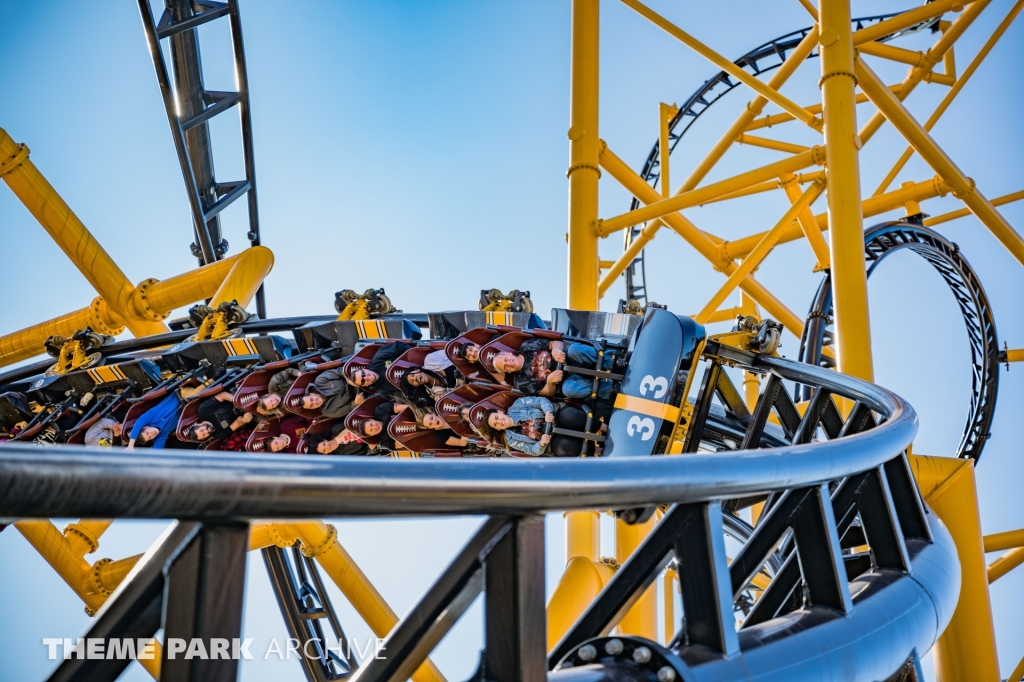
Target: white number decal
(659, 384)
(644, 426)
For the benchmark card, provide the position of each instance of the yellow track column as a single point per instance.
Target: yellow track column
(582, 528)
(849, 279)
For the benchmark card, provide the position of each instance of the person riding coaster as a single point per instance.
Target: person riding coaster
(522, 426)
(534, 369)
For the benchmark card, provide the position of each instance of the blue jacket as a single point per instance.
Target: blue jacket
(163, 416)
(525, 409)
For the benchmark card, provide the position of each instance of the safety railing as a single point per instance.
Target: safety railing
(868, 577)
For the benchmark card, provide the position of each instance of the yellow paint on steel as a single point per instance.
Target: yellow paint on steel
(1006, 563)
(581, 582)
(963, 187)
(584, 172)
(651, 408)
(966, 651)
(964, 212)
(582, 535)
(753, 110)
(724, 64)
(764, 247)
(70, 234)
(699, 240)
(893, 53)
(919, 191)
(954, 91)
(849, 276)
(642, 619)
(808, 225)
(668, 609)
(777, 145)
(908, 19)
(1018, 673)
(28, 342)
(778, 119)
(58, 552)
(84, 536)
(1011, 539)
(1015, 355)
(702, 195)
(933, 56)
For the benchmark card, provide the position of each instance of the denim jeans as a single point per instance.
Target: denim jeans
(578, 385)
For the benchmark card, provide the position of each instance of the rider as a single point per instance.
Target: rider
(522, 427)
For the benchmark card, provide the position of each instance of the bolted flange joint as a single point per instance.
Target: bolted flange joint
(140, 303)
(633, 652)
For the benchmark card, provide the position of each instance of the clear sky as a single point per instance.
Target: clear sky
(420, 147)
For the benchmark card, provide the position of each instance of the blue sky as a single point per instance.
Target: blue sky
(420, 147)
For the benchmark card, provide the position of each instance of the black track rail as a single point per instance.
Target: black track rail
(761, 59)
(945, 256)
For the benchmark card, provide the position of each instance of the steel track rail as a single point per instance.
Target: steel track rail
(761, 59)
(885, 239)
(72, 481)
(827, 614)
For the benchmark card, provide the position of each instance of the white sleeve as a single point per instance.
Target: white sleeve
(437, 361)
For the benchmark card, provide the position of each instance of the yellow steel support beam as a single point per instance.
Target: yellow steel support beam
(62, 557)
(581, 582)
(934, 55)
(966, 651)
(777, 145)
(964, 212)
(724, 64)
(997, 542)
(64, 227)
(663, 207)
(753, 110)
(951, 95)
(1018, 673)
(811, 229)
(921, 141)
(872, 206)
(584, 173)
(629, 255)
(642, 619)
(666, 112)
(1006, 563)
(907, 19)
(778, 119)
(233, 279)
(893, 53)
(1015, 355)
(699, 240)
(751, 262)
(27, 343)
(849, 277)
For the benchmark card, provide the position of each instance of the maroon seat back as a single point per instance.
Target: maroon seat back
(471, 370)
(451, 404)
(408, 361)
(364, 411)
(259, 439)
(301, 385)
(361, 360)
(501, 400)
(321, 427)
(252, 388)
(404, 429)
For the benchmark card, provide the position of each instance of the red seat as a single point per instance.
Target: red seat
(365, 411)
(511, 342)
(252, 388)
(404, 429)
(408, 361)
(259, 439)
(451, 404)
(190, 415)
(500, 400)
(473, 371)
(320, 427)
(361, 360)
(301, 385)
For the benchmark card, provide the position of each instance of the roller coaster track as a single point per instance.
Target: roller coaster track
(831, 611)
(762, 59)
(879, 242)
